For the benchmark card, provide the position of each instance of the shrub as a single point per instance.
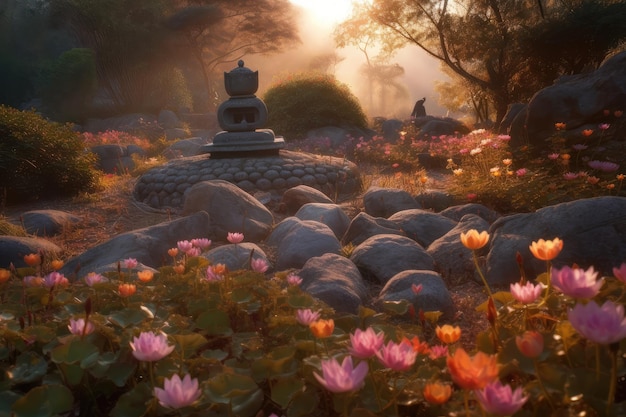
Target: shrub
(308, 101)
(41, 159)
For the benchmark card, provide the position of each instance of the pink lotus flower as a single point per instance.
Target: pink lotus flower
(553, 156)
(177, 393)
(129, 263)
(576, 282)
(80, 327)
(527, 293)
(397, 356)
(259, 265)
(193, 252)
(33, 281)
(579, 147)
(365, 343)
(150, 347)
(604, 166)
(620, 273)
(184, 245)
(521, 172)
(438, 351)
(215, 273)
(234, 237)
(603, 126)
(342, 378)
(601, 324)
(55, 279)
(570, 176)
(294, 280)
(307, 316)
(500, 399)
(201, 243)
(93, 278)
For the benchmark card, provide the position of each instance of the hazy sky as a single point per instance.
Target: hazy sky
(318, 19)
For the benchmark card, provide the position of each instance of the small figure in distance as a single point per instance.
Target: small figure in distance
(418, 110)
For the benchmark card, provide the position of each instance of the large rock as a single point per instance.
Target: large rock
(336, 281)
(149, 245)
(364, 226)
(231, 208)
(113, 159)
(434, 295)
(297, 196)
(431, 126)
(382, 256)
(48, 222)
(423, 226)
(330, 214)
(236, 256)
(383, 202)
(14, 248)
(579, 101)
(593, 232)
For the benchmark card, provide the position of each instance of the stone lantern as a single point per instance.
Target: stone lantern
(242, 117)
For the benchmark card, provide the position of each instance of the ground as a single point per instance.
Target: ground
(113, 211)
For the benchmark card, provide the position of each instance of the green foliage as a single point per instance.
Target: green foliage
(41, 159)
(68, 85)
(307, 101)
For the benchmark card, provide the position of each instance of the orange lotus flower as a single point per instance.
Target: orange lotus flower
(5, 274)
(474, 240)
(418, 346)
(472, 372)
(546, 250)
(322, 328)
(126, 290)
(179, 269)
(32, 259)
(56, 264)
(145, 276)
(587, 132)
(530, 343)
(173, 252)
(448, 334)
(559, 126)
(437, 393)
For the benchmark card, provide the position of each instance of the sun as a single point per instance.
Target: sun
(329, 12)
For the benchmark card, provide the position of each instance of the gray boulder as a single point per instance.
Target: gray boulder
(593, 232)
(236, 256)
(113, 159)
(14, 248)
(431, 126)
(184, 147)
(423, 226)
(434, 295)
(148, 245)
(330, 214)
(383, 202)
(436, 200)
(364, 226)
(231, 208)
(382, 256)
(334, 280)
(453, 260)
(302, 240)
(167, 119)
(297, 196)
(456, 213)
(48, 222)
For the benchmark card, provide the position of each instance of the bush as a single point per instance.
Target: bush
(41, 159)
(309, 101)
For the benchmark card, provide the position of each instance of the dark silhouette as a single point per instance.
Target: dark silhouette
(419, 110)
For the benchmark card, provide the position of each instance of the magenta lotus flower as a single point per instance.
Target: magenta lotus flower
(129, 263)
(79, 327)
(438, 351)
(307, 316)
(150, 347)
(234, 237)
(601, 324)
(397, 356)
(620, 273)
(521, 172)
(259, 265)
(604, 166)
(93, 278)
(55, 279)
(500, 399)
(365, 343)
(201, 243)
(570, 176)
(342, 378)
(576, 282)
(177, 393)
(184, 245)
(294, 280)
(215, 273)
(527, 293)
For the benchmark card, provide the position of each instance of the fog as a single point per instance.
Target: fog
(420, 70)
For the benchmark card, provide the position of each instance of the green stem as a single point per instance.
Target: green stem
(543, 387)
(481, 273)
(466, 402)
(613, 348)
(597, 362)
(549, 285)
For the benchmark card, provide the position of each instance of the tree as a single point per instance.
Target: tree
(482, 41)
(221, 32)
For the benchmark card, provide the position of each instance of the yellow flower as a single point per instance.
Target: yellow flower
(5, 274)
(126, 290)
(472, 372)
(322, 328)
(437, 393)
(32, 259)
(474, 240)
(448, 334)
(546, 250)
(145, 276)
